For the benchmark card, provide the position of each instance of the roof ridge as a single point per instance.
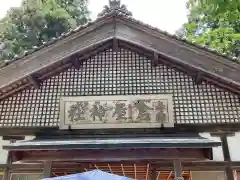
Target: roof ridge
(114, 9)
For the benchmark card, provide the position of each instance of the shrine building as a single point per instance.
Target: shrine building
(124, 97)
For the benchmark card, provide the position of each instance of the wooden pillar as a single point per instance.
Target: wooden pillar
(47, 170)
(177, 170)
(7, 174)
(153, 175)
(226, 154)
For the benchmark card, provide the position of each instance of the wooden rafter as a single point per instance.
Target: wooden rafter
(115, 45)
(135, 171)
(123, 169)
(76, 62)
(158, 175)
(190, 176)
(54, 174)
(170, 174)
(147, 173)
(96, 166)
(110, 169)
(34, 81)
(155, 59)
(199, 78)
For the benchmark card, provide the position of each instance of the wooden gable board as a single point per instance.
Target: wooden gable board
(115, 26)
(137, 33)
(93, 34)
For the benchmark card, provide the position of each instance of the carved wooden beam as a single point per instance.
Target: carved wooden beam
(76, 61)
(155, 59)
(34, 81)
(115, 45)
(135, 48)
(199, 78)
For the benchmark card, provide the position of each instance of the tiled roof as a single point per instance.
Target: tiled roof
(120, 11)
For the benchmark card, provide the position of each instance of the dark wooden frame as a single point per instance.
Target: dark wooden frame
(112, 155)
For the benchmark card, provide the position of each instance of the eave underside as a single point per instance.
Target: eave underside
(142, 170)
(47, 72)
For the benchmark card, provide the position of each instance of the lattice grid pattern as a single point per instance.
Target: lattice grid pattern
(122, 73)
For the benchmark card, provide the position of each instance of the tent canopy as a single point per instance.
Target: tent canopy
(91, 175)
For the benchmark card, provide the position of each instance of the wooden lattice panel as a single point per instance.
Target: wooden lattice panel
(121, 73)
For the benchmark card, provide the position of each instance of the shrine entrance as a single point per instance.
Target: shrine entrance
(138, 170)
(142, 157)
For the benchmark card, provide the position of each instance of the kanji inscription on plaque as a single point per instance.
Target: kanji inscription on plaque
(101, 112)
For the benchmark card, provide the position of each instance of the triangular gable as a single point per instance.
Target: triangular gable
(117, 27)
(124, 72)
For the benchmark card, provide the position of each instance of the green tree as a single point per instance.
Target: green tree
(38, 21)
(215, 24)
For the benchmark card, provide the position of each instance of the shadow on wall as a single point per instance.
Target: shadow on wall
(3, 153)
(204, 175)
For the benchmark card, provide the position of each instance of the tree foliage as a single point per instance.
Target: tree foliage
(215, 24)
(38, 21)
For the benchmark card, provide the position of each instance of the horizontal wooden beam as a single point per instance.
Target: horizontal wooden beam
(10, 138)
(180, 128)
(113, 155)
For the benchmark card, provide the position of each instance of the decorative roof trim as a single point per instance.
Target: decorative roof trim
(115, 5)
(115, 8)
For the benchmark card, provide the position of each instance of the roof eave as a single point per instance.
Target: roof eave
(115, 26)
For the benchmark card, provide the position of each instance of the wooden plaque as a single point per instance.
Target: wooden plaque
(104, 112)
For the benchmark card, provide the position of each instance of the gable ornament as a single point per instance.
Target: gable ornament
(115, 6)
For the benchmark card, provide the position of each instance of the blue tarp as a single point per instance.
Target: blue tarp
(91, 175)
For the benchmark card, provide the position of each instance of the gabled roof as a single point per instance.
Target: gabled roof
(117, 26)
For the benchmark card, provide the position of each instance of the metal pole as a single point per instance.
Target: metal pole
(47, 171)
(177, 170)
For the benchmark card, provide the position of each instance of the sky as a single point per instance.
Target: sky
(167, 15)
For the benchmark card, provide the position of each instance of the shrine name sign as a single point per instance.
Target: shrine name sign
(105, 112)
